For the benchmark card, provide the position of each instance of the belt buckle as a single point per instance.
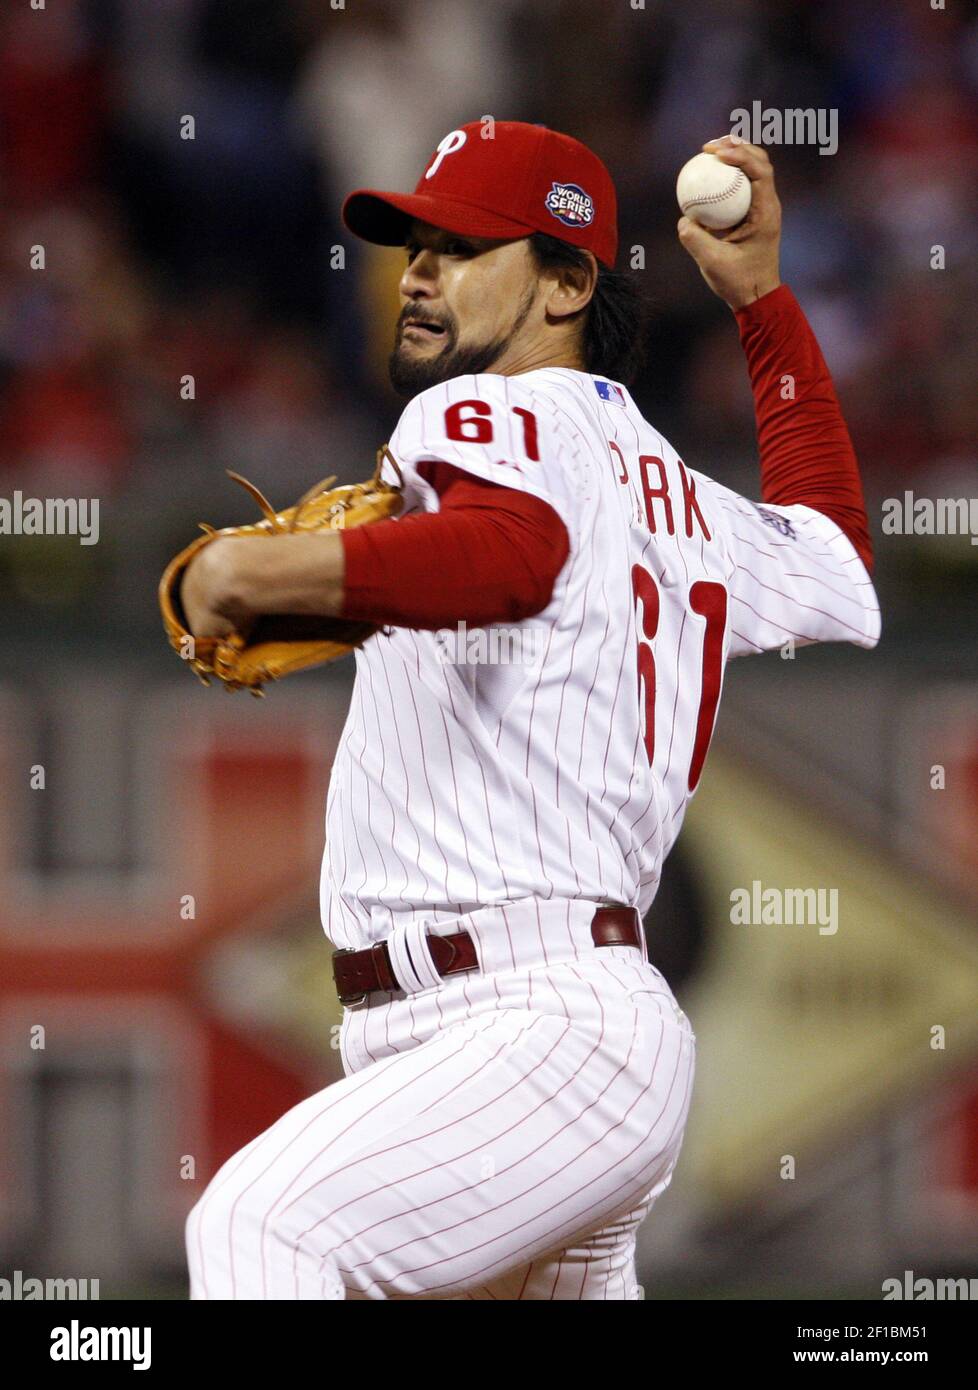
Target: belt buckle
(347, 999)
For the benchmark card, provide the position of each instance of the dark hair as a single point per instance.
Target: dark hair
(616, 319)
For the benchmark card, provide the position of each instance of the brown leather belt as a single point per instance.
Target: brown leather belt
(359, 973)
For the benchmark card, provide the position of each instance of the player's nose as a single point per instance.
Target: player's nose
(420, 277)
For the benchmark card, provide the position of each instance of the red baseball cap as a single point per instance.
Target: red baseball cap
(508, 179)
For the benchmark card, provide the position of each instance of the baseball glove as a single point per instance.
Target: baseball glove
(278, 644)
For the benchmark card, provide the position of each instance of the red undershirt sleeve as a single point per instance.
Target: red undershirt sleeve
(805, 449)
(491, 554)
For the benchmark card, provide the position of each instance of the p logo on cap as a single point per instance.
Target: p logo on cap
(451, 144)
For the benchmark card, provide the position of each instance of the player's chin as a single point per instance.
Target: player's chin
(413, 367)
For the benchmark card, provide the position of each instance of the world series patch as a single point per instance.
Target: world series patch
(780, 523)
(570, 205)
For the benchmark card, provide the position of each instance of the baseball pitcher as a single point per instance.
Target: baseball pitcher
(552, 603)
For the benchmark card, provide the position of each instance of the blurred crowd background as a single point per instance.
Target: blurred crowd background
(222, 259)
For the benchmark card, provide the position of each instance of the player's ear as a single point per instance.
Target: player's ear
(570, 287)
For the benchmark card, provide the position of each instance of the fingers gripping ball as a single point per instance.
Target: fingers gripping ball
(714, 194)
(278, 644)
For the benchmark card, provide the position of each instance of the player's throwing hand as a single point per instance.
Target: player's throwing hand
(742, 264)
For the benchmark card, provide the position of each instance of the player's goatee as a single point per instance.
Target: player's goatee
(409, 375)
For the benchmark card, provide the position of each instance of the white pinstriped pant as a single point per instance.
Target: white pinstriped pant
(499, 1135)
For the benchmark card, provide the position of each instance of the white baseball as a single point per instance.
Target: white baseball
(713, 193)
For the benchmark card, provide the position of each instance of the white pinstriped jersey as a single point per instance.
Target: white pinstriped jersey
(561, 766)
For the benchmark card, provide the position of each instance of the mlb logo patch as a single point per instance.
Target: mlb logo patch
(570, 205)
(608, 391)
